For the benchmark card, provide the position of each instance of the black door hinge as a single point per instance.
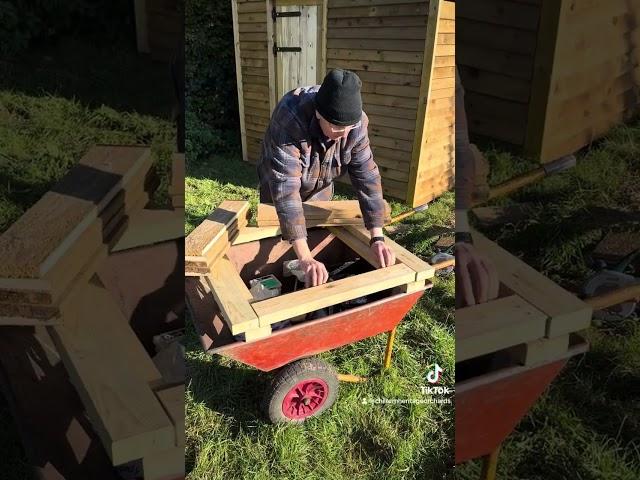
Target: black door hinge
(277, 49)
(275, 14)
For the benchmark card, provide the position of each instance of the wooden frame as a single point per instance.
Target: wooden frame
(534, 317)
(254, 318)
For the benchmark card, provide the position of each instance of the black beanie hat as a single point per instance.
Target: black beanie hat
(338, 99)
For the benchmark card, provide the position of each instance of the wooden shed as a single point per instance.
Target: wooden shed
(549, 76)
(403, 51)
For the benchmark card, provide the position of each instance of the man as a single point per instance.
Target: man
(315, 135)
(476, 277)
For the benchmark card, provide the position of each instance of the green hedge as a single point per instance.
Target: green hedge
(24, 21)
(211, 97)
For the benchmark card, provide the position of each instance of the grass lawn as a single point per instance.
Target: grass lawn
(227, 436)
(45, 129)
(586, 426)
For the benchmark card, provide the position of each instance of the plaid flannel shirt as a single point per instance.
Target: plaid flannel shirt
(299, 163)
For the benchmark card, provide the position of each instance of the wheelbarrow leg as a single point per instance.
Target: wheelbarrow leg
(387, 353)
(490, 465)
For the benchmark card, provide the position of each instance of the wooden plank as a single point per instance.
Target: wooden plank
(232, 296)
(389, 100)
(390, 143)
(34, 244)
(367, 22)
(395, 90)
(147, 227)
(421, 268)
(172, 400)
(251, 234)
(257, 334)
(212, 228)
(566, 312)
(253, 27)
(60, 234)
(496, 325)
(491, 36)
(376, 44)
(383, 67)
(356, 244)
(251, 7)
(375, 55)
(291, 305)
(396, 112)
(383, 77)
(505, 63)
(378, 32)
(495, 84)
(390, 132)
(543, 351)
(258, 17)
(501, 12)
(392, 122)
(111, 372)
(370, 3)
(418, 9)
(319, 212)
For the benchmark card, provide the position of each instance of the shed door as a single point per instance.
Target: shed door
(297, 46)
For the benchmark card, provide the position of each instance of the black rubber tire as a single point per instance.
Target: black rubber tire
(291, 375)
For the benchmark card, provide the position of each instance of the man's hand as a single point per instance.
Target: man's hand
(315, 273)
(476, 277)
(385, 255)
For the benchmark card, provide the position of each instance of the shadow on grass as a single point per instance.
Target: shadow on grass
(112, 74)
(232, 391)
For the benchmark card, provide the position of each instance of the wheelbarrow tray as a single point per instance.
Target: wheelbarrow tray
(298, 340)
(490, 406)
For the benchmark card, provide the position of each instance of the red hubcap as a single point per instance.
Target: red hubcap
(305, 398)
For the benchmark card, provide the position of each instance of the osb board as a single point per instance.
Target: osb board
(62, 215)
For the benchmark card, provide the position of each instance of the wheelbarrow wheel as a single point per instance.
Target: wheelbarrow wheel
(303, 389)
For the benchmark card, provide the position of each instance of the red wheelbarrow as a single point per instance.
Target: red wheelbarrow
(508, 352)
(303, 386)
